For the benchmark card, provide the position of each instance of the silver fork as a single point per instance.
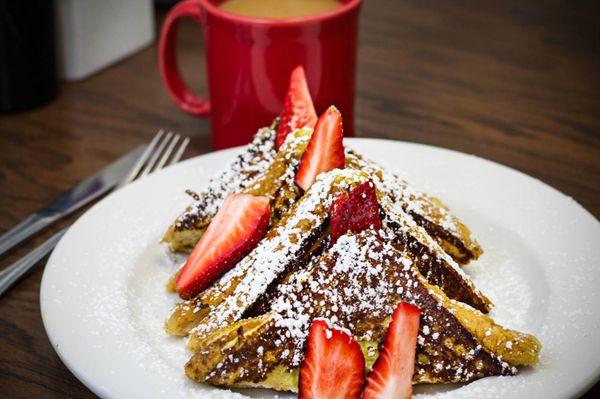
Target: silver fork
(155, 157)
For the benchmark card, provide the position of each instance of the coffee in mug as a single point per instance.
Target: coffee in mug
(279, 9)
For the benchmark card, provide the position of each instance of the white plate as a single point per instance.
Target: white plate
(103, 299)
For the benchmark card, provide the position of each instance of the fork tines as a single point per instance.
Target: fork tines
(158, 154)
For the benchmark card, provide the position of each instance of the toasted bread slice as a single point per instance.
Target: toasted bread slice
(277, 181)
(284, 245)
(355, 285)
(252, 161)
(429, 212)
(273, 179)
(433, 262)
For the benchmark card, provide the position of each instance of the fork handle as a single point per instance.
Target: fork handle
(13, 273)
(32, 224)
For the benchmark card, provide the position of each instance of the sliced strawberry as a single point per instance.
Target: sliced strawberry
(392, 373)
(237, 227)
(356, 211)
(325, 150)
(298, 108)
(333, 367)
(338, 217)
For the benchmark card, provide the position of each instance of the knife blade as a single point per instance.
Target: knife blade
(71, 200)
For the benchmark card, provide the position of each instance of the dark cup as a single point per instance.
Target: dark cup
(27, 54)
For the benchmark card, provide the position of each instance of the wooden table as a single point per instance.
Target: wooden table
(515, 83)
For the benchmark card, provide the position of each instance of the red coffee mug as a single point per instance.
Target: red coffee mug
(249, 61)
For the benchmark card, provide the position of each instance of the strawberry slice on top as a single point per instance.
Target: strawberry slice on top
(333, 367)
(325, 150)
(298, 108)
(354, 211)
(392, 374)
(238, 226)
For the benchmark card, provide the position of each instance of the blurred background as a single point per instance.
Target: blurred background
(514, 82)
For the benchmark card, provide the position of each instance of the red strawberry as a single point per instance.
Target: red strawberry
(333, 367)
(325, 150)
(355, 212)
(238, 226)
(298, 109)
(392, 373)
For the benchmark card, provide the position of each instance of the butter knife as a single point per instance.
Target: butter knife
(71, 200)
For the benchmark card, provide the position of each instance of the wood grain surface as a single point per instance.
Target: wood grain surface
(515, 83)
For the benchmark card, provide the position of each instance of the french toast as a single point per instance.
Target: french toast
(433, 262)
(220, 304)
(252, 166)
(318, 238)
(355, 284)
(427, 211)
(276, 182)
(237, 343)
(252, 161)
(285, 244)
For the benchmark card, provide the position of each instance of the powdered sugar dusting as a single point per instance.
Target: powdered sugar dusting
(237, 175)
(355, 285)
(427, 211)
(283, 244)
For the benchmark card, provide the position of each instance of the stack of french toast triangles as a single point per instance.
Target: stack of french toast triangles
(298, 229)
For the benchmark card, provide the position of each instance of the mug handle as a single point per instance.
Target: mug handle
(167, 60)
